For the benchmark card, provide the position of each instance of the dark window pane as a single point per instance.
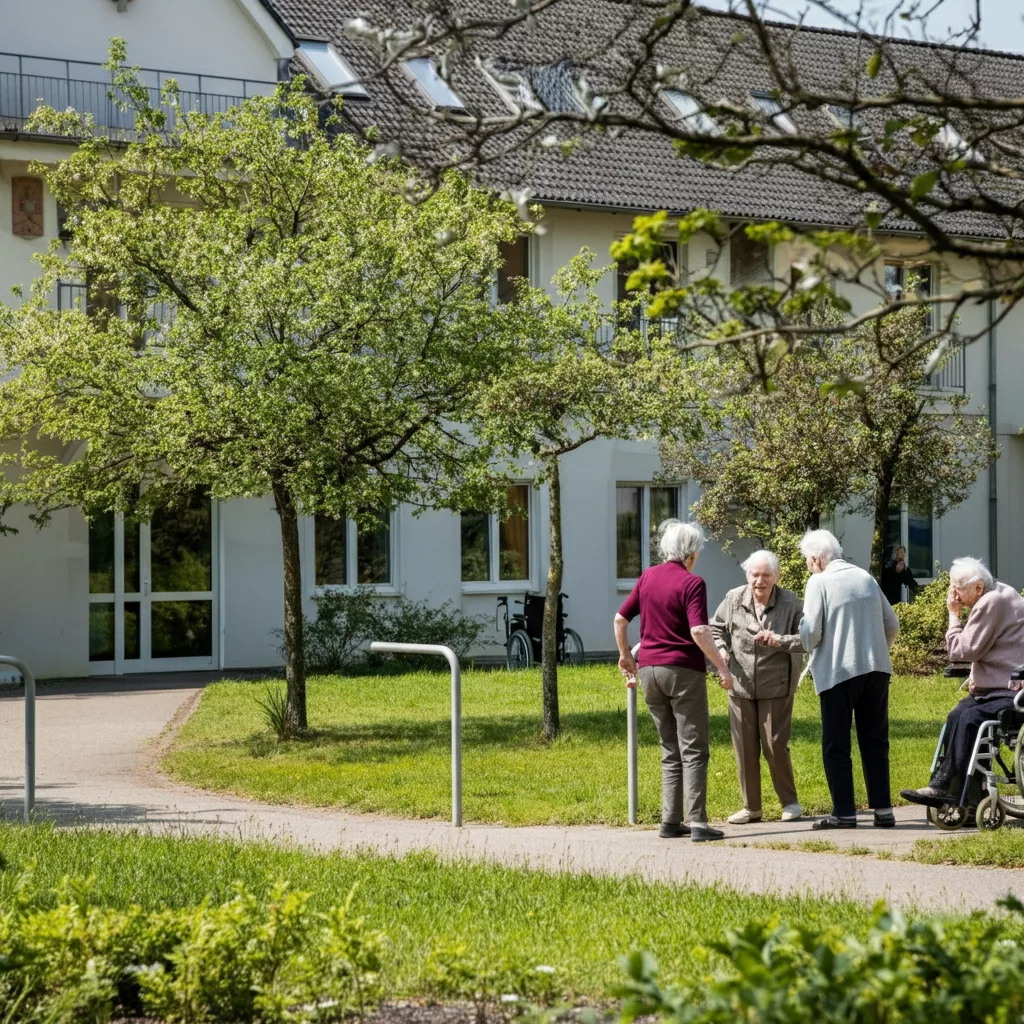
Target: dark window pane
(664, 505)
(476, 547)
(893, 532)
(101, 554)
(516, 256)
(666, 253)
(101, 632)
(919, 549)
(627, 532)
(514, 537)
(373, 554)
(330, 542)
(131, 558)
(132, 641)
(181, 547)
(182, 629)
(749, 261)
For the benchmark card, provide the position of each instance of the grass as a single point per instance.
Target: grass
(1002, 849)
(382, 744)
(577, 923)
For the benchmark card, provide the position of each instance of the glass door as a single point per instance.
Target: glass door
(152, 591)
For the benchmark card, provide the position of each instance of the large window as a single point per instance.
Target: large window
(640, 509)
(910, 527)
(750, 261)
(515, 265)
(347, 554)
(498, 551)
(918, 276)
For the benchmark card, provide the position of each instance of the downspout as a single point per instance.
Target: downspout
(993, 490)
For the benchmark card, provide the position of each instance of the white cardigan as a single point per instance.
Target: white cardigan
(848, 625)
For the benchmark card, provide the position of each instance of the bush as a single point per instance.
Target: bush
(970, 969)
(921, 645)
(347, 621)
(267, 960)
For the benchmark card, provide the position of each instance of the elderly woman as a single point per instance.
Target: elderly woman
(757, 627)
(675, 639)
(992, 641)
(848, 628)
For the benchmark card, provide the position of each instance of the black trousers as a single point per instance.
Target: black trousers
(864, 700)
(962, 727)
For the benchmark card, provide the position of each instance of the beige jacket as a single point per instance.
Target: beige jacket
(760, 672)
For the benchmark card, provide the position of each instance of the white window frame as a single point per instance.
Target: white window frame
(624, 583)
(687, 110)
(496, 585)
(905, 542)
(851, 120)
(779, 118)
(351, 558)
(330, 69)
(520, 99)
(439, 93)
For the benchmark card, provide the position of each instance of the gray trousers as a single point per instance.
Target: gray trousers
(678, 701)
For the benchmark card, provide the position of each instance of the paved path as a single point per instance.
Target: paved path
(97, 745)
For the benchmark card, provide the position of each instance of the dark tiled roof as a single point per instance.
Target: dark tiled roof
(638, 170)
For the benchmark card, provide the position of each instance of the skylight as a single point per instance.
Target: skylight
(953, 143)
(551, 87)
(331, 68)
(437, 90)
(845, 117)
(689, 112)
(772, 109)
(514, 86)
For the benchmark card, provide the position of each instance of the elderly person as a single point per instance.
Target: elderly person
(992, 641)
(675, 639)
(757, 627)
(848, 628)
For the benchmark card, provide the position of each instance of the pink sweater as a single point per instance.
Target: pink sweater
(992, 639)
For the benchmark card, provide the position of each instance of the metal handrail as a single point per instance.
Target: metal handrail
(30, 732)
(453, 663)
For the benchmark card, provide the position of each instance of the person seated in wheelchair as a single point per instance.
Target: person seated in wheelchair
(991, 641)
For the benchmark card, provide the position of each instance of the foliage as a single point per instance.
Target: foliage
(920, 646)
(262, 959)
(298, 319)
(927, 970)
(274, 705)
(346, 622)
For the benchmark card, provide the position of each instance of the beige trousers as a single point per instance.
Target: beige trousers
(756, 726)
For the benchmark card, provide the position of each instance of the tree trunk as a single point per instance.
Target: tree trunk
(295, 660)
(883, 499)
(549, 642)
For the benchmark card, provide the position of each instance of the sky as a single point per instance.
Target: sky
(1002, 21)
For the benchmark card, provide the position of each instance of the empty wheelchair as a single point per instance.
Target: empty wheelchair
(991, 789)
(524, 632)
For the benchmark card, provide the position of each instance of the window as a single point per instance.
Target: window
(749, 261)
(513, 85)
(551, 87)
(688, 111)
(434, 87)
(72, 295)
(331, 68)
(348, 555)
(667, 252)
(772, 109)
(498, 551)
(640, 509)
(845, 117)
(516, 264)
(910, 527)
(900, 276)
(953, 143)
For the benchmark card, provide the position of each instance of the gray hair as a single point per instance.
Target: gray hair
(757, 558)
(679, 540)
(965, 571)
(820, 544)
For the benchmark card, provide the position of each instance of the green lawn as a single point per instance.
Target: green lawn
(1001, 849)
(381, 743)
(576, 923)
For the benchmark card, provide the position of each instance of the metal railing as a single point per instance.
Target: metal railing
(27, 82)
(952, 375)
(30, 732)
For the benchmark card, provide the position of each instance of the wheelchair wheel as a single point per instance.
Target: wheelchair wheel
(520, 653)
(948, 817)
(990, 815)
(573, 648)
(1018, 755)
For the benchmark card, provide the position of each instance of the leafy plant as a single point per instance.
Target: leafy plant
(920, 647)
(274, 705)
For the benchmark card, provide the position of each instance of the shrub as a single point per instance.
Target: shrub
(921, 647)
(274, 707)
(970, 969)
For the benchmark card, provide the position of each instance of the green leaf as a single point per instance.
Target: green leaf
(923, 184)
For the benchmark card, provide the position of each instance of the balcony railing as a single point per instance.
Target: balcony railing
(27, 83)
(952, 375)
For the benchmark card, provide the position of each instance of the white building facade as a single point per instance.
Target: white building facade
(202, 589)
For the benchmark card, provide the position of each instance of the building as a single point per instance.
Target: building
(97, 598)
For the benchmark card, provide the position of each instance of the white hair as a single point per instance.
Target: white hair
(820, 544)
(759, 557)
(965, 571)
(679, 540)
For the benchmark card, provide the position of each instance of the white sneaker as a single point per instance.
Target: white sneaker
(743, 817)
(792, 812)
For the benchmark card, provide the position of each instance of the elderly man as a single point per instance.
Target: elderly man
(757, 627)
(848, 628)
(992, 641)
(675, 639)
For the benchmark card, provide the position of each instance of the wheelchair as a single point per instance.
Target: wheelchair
(986, 788)
(523, 634)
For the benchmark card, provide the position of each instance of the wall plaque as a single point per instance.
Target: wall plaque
(27, 203)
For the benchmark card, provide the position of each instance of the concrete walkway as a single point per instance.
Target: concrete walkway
(98, 744)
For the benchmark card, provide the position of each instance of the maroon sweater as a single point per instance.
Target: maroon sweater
(670, 600)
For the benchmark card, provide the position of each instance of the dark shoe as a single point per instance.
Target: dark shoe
(885, 820)
(831, 821)
(703, 833)
(929, 796)
(673, 830)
